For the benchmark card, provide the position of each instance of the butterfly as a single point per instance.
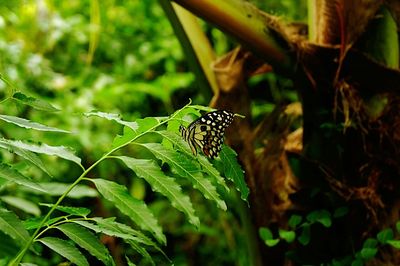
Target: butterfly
(207, 132)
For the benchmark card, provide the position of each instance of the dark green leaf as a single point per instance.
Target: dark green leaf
(233, 170)
(65, 249)
(33, 223)
(398, 226)
(294, 220)
(340, 212)
(321, 216)
(368, 253)
(304, 237)
(370, 243)
(385, 235)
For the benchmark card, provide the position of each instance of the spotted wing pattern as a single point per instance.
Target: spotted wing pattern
(207, 132)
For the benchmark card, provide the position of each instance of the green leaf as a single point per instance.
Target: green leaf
(304, 237)
(266, 235)
(357, 262)
(394, 243)
(87, 240)
(206, 166)
(142, 251)
(59, 151)
(289, 236)
(12, 226)
(138, 127)
(114, 117)
(186, 168)
(321, 216)
(151, 172)
(340, 212)
(8, 248)
(294, 220)
(370, 243)
(22, 204)
(368, 253)
(34, 102)
(182, 114)
(57, 189)
(385, 235)
(65, 249)
(30, 156)
(133, 208)
(33, 223)
(233, 171)
(79, 211)
(13, 175)
(21, 122)
(129, 262)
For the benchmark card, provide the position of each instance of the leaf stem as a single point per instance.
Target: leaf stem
(21, 254)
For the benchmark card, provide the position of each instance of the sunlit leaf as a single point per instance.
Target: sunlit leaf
(394, 243)
(21, 122)
(87, 240)
(289, 236)
(34, 102)
(233, 171)
(13, 175)
(186, 168)
(137, 127)
(151, 172)
(114, 117)
(22, 204)
(57, 189)
(30, 156)
(266, 235)
(65, 249)
(59, 151)
(12, 226)
(133, 208)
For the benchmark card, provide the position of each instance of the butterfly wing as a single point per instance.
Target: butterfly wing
(207, 132)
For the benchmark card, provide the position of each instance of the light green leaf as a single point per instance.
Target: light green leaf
(114, 117)
(12, 226)
(321, 216)
(30, 156)
(182, 115)
(289, 236)
(21, 122)
(65, 249)
(79, 211)
(87, 240)
(138, 127)
(59, 151)
(34, 102)
(133, 208)
(266, 235)
(186, 168)
(394, 243)
(57, 189)
(151, 172)
(233, 171)
(385, 235)
(22, 204)
(13, 175)
(206, 166)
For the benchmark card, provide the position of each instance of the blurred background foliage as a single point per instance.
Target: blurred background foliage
(118, 57)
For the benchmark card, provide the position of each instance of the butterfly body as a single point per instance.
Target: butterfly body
(207, 132)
